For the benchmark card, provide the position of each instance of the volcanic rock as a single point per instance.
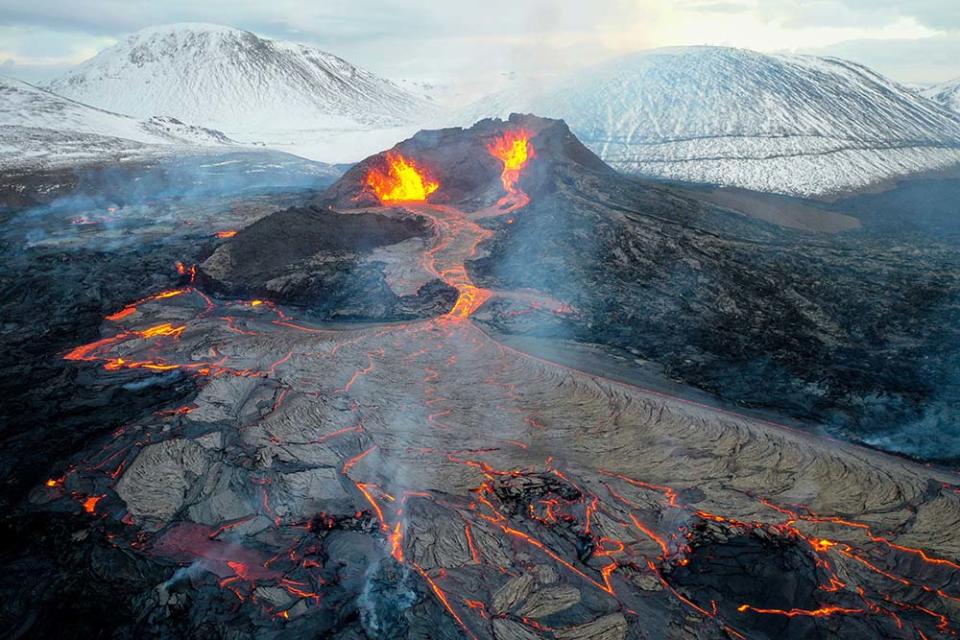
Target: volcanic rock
(504, 629)
(320, 260)
(427, 479)
(514, 591)
(611, 627)
(759, 310)
(155, 486)
(548, 601)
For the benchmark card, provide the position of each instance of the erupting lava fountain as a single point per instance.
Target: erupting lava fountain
(402, 181)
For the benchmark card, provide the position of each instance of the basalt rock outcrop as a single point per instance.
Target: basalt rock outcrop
(327, 263)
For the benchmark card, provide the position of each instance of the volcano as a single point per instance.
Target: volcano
(422, 468)
(701, 295)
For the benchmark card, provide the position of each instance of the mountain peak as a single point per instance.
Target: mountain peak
(945, 93)
(181, 28)
(234, 80)
(800, 125)
(175, 27)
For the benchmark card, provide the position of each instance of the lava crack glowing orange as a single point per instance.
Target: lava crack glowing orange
(403, 181)
(514, 150)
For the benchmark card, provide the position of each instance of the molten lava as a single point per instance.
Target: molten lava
(90, 504)
(821, 612)
(513, 150)
(551, 516)
(470, 299)
(403, 181)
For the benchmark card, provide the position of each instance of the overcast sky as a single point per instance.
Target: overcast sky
(912, 41)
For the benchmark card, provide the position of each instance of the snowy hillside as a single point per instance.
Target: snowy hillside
(286, 95)
(38, 127)
(791, 124)
(947, 94)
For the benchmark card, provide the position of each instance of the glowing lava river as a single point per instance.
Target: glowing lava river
(424, 479)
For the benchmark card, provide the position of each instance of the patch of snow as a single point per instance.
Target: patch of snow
(39, 127)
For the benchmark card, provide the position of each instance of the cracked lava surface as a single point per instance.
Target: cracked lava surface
(524, 499)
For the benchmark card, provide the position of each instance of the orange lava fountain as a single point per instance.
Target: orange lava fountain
(403, 181)
(514, 150)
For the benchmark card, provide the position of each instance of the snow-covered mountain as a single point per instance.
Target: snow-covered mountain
(254, 89)
(798, 125)
(39, 127)
(946, 93)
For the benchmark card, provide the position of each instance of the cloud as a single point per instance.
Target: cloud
(37, 54)
(923, 60)
(465, 38)
(936, 14)
(386, 35)
(940, 15)
(333, 19)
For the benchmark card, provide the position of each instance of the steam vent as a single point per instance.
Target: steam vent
(419, 403)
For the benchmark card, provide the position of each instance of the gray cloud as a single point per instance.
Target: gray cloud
(422, 38)
(333, 19)
(426, 37)
(924, 60)
(935, 14)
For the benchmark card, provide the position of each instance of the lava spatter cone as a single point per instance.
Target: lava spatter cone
(473, 167)
(438, 186)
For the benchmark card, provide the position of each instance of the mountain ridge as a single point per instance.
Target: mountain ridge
(42, 127)
(798, 125)
(945, 93)
(243, 82)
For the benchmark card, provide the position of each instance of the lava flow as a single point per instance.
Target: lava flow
(514, 151)
(522, 510)
(403, 181)
(482, 469)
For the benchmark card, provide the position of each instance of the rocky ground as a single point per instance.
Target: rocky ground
(855, 330)
(422, 480)
(332, 265)
(93, 240)
(230, 467)
(847, 320)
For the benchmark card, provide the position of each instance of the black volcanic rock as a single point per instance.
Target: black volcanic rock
(314, 258)
(856, 330)
(246, 512)
(771, 573)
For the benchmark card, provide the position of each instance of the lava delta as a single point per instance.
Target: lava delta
(413, 470)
